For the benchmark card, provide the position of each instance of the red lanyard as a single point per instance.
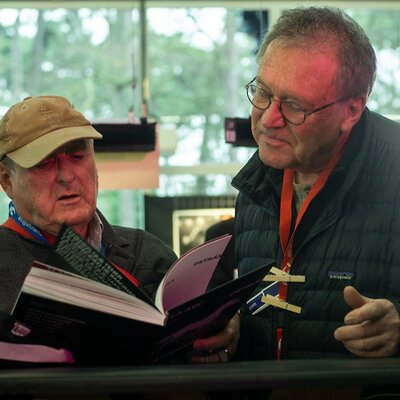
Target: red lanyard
(286, 216)
(14, 226)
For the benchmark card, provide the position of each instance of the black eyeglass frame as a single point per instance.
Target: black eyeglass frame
(305, 113)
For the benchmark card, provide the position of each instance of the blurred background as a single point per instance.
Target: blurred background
(180, 64)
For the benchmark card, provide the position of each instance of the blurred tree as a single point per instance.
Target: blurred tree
(92, 56)
(383, 28)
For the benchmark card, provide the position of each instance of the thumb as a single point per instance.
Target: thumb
(353, 298)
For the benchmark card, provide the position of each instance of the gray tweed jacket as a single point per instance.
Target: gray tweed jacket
(141, 254)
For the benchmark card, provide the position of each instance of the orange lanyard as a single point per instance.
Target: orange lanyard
(286, 215)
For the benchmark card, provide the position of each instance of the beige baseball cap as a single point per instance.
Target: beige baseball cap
(37, 126)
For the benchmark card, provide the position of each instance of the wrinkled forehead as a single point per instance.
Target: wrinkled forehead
(300, 69)
(310, 45)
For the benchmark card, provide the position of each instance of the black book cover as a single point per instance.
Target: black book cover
(204, 315)
(92, 337)
(81, 302)
(96, 337)
(71, 253)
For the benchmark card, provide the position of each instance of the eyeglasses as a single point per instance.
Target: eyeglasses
(290, 110)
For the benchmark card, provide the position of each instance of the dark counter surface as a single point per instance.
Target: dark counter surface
(228, 377)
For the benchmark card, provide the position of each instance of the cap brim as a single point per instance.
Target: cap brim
(33, 153)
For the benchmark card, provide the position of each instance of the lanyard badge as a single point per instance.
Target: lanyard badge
(270, 294)
(25, 225)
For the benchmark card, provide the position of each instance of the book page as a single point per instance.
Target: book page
(52, 283)
(205, 315)
(34, 353)
(190, 275)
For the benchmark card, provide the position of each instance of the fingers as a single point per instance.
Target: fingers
(376, 346)
(217, 348)
(217, 356)
(366, 336)
(223, 355)
(372, 311)
(227, 338)
(356, 301)
(353, 298)
(359, 331)
(382, 345)
(372, 328)
(364, 308)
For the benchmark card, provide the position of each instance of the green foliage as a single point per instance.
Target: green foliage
(93, 57)
(383, 28)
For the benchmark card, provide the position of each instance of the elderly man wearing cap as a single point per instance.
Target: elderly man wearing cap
(47, 169)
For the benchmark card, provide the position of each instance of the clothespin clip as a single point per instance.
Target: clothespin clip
(277, 302)
(280, 276)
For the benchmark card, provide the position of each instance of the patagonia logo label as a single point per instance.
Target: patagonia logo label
(341, 275)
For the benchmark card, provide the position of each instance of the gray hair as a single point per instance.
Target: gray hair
(328, 25)
(8, 163)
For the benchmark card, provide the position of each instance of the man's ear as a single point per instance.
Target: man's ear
(5, 180)
(354, 107)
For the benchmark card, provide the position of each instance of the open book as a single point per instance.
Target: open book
(111, 320)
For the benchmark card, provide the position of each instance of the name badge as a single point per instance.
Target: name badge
(255, 304)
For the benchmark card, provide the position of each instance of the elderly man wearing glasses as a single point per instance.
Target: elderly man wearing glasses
(321, 197)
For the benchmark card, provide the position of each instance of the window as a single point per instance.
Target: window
(198, 61)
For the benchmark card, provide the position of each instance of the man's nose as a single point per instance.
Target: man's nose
(272, 117)
(65, 173)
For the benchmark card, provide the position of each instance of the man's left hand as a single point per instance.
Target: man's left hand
(372, 328)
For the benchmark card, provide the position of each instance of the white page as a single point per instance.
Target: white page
(89, 294)
(190, 274)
